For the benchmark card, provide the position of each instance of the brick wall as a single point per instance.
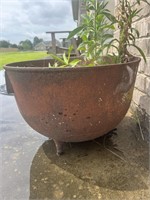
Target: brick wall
(141, 96)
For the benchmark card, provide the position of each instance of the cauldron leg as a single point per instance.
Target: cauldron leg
(59, 147)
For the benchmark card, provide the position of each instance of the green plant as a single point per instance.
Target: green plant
(128, 12)
(65, 60)
(96, 34)
(97, 40)
(95, 31)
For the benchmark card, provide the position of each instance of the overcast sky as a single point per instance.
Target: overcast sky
(25, 19)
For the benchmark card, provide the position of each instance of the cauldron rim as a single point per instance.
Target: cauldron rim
(15, 66)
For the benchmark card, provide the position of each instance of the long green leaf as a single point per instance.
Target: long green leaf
(75, 31)
(65, 58)
(131, 37)
(57, 58)
(136, 31)
(110, 17)
(140, 50)
(69, 52)
(74, 62)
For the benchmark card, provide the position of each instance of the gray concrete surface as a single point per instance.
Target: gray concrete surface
(114, 167)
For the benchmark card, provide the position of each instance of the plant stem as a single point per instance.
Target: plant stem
(95, 29)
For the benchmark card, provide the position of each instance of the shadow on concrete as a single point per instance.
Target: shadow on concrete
(118, 161)
(144, 118)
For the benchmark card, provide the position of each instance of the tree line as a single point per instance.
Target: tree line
(23, 45)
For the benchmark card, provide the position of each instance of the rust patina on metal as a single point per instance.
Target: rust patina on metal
(72, 104)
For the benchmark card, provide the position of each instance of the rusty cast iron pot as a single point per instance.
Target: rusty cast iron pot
(72, 104)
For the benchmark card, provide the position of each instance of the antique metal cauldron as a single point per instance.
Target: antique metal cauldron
(72, 104)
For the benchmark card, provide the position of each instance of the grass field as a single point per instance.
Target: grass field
(9, 57)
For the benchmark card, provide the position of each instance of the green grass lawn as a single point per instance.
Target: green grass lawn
(9, 57)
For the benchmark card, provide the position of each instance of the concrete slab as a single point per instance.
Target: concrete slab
(113, 167)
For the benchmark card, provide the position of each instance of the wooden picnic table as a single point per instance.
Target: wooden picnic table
(73, 41)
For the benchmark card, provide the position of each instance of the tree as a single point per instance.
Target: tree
(4, 44)
(13, 46)
(36, 40)
(25, 45)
